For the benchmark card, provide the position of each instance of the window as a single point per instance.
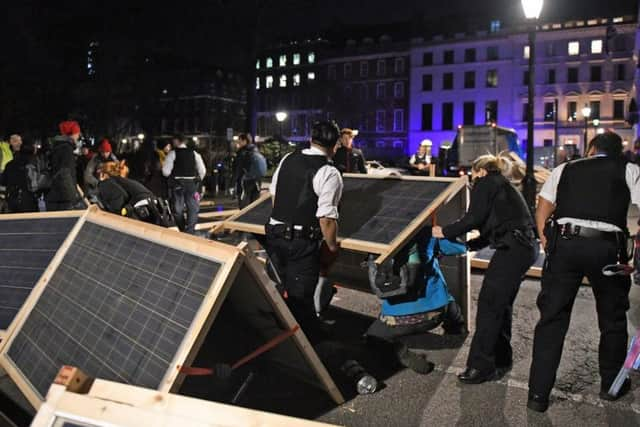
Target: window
(491, 111)
(525, 78)
(448, 57)
(492, 53)
(549, 113)
(447, 116)
(547, 142)
(492, 78)
(296, 59)
(573, 48)
(398, 120)
(257, 83)
(380, 121)
(269, 82)
(269, 63)
(282, 61)
(495, 26)
(572, 111)
(596, 73)
(596, 46)
(258, 64)
(469, 55)
(311, 75)
(427, 58)
(296, 79)
(469, 113)
(595, 110)
(618, 109)
(469, 79)
(551, 77)
(283, 80)
(381, 67)
(381, 144)
(398, 144)
(398, 90)
(398, 65)
(380, 91)
(525, 112)
(526, 52)
(311, 57)
(427, 82)
(427, 116)
(364, 69)
(447, 81)
(347, 91)
(572, 75)
(332, 72)
(621, 72)
(364, 93)
(347, 70)
(551, 49)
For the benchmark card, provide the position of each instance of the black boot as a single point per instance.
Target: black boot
(412, 360)
(453, 323)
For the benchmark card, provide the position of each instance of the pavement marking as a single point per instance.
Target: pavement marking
(590, 399)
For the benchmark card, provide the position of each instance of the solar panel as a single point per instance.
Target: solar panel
(27, 246)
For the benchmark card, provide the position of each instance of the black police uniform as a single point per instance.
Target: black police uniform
(183, 184)
(293, 246)
(594, 189)
(420, 160)
(350, 160)
(498, 210)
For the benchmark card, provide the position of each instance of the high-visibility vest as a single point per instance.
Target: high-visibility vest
(6, 155)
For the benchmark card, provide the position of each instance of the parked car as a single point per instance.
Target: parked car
(376, 168)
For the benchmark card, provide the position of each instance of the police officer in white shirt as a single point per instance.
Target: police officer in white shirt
(306, 190)
(582, 221)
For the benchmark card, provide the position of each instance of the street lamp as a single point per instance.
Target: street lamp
(141, 136)
(532, 9)
(281, 116)
(586, 113)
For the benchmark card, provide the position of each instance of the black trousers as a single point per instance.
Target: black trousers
(565, 267)
(248, 192)
(491, 343)
(297, 262)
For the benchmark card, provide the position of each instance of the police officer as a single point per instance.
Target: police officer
(306, 189)
(349, 159)
(583, 206)
(420, 161)
(185, 169)
(501, 215)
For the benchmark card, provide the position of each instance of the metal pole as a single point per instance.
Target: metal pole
(586, 124)
(529, 182)
(555, 132)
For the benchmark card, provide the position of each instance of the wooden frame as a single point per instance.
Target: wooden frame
(384, 250)
(107, 403)
(59, 253)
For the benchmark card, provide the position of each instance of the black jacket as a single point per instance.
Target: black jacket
(496, 208)
(63, 171)
(350, 161)
(19, 198)
(116, 193)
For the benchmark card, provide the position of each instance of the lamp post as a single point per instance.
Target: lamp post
(586, 113)
(281, 116)
(532, 9)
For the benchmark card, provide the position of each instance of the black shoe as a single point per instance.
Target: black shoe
(626, 386)
(460, 329)
(474, 376)
(503, 370)
(537, 402)
(415, 361)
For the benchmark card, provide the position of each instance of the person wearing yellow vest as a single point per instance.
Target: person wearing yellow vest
(7, 150)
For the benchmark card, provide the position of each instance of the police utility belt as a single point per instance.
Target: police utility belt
(567, 231)
(290, 231)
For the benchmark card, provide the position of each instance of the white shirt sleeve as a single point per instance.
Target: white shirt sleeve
(327, 184)
(412, 160)
(202, 171)
(274, 178)
(550, 188)
(632, 176)
(167, 167)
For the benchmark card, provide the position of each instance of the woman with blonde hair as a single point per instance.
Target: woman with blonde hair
(501, 215)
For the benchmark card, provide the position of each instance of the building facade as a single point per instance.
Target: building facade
(483, 78)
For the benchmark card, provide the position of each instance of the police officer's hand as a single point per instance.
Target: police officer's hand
(436, 231)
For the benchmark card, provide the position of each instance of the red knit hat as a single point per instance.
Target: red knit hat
(69, 128)
(105, 146)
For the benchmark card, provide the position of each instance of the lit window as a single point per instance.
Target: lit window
(574, 48)
(296, 79)
(296, 59)
(596, 46)
(282, 61)
(257, 83)
(311, 75)
(311, 58)
(258, 64)
(495, 26)
(269, 63)
(526, 52)
(269, 82)
(398, 120)
(283, 80)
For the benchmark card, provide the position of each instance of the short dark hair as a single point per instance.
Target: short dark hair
(179, 137)
(246, 137)
(608, 143)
